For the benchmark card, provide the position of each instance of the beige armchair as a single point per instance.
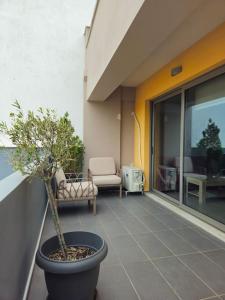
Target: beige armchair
(104, 174)
(73, 187)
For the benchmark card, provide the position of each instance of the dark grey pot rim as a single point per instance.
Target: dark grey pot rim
(68, 267)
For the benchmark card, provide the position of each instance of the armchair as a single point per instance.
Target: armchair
(74, 187)
(104, 173)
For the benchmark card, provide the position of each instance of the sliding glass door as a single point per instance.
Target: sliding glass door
(166, 155)
(188, 154)
(204, 144)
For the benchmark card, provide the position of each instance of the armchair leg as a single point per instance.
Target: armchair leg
(121, 191)
(94, 206)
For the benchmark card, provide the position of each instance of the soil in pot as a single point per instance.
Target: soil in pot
(74, 253)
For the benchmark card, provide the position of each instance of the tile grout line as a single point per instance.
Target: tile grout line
(217, 233)
(150, 260)
(204, 235)
(209, 258)
(215, 294)
(176, 214)
(187, 226)
(180, 236)
(121, 263)
(203, 252)
(198, 251)
(131, 282)
(211, 298)
(155, 235)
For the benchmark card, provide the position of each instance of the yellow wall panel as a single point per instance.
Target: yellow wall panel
(207, 54)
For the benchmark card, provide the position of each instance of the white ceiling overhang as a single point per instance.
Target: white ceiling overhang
(160, 31)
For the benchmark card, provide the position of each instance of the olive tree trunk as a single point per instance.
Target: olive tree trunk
(55, 218)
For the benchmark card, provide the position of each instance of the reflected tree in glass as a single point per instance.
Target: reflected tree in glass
(210, 147)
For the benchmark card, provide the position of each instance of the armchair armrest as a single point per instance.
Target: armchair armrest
(119, 172)
(75, 177)
(61, 185)
(90, 174)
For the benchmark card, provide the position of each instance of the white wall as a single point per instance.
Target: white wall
(42, 55)
(112, 20)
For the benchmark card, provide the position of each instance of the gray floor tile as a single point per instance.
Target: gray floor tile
(154, 207)
(158, 210)
(195, 239)
(38, 290)
(98, 229)
(133, 225)
(125, 241)
(148, 282)
(218, 256)
(130, 202)
(134, 207)
(107, 217)
(171, 221)
(181, 219)
(212, 238)
(127, 249)
(133, 254)
(69, 227)
(121, 212)
(152, 223)
(114, 285)
(152, 246)
(90, 220)
(111, 258)
(187, 285)
(48, 230)
(70, 222)
(214, 298)
(174, 242)
(153, 210)
(114, 228)
(211, 273)
(138, 211)
(113, 215)
(114, 201)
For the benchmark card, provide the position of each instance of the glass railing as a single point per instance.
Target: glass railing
(5, 167)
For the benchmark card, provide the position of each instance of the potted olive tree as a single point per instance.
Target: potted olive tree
(71, 260)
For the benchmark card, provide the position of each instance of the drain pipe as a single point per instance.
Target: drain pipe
(139, 137)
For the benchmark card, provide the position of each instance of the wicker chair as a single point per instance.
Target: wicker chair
(74, 187)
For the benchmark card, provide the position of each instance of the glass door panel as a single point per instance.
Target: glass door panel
(204, 148)
(166, 152)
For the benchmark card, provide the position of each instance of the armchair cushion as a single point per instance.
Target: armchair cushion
(102, 166)
(76, 190)
(60, 177)
(188, 165)
(106, 180)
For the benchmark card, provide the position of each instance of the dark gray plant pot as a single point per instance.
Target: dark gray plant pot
(72, 280)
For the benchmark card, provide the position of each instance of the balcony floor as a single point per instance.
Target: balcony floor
(154, 254)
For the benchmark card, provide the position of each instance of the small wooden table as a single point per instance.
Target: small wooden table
(202, 181)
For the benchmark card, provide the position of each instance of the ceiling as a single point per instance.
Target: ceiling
(160, 31)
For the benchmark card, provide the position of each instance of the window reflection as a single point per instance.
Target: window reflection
(167, 146)
(204, 148)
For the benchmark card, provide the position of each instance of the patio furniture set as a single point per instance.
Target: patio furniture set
(72, 187)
